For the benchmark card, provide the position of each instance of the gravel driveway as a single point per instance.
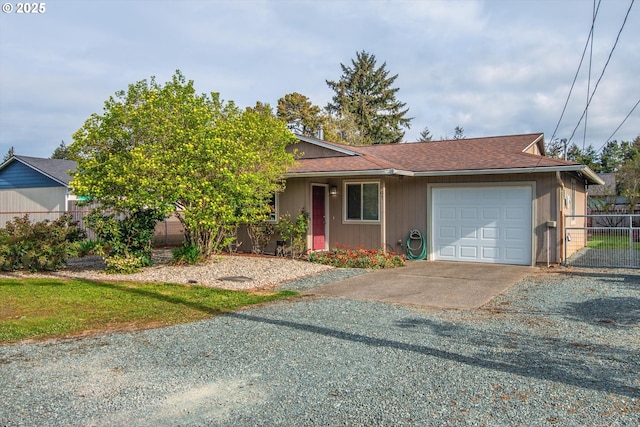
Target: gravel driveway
(557, 349)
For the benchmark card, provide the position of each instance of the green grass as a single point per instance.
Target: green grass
(50, 308)
(611, 242)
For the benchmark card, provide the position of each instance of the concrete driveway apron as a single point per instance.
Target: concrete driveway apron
(435, 284)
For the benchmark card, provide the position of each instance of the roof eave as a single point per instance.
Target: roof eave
(369, 172)
(326, 145)
(568, 168)
(541, 146)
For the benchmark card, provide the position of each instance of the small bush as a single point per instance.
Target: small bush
(40, 246)
(260, 233)
(294, 231)
(86, 247)
(344, 257)
(127, 238)
(125, 264)
(187, 254)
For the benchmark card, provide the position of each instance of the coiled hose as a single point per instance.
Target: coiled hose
(420, 252)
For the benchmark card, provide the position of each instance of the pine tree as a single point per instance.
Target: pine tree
(425, 135)
(8, 155)
(62, 152)
(300, 114)
(366, 91)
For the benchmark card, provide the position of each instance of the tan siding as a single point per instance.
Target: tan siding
(407, 207)
(297, 196)
(546, 210)
(579, 236)
(32, 200)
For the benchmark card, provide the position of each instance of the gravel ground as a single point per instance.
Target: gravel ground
(557, 349)
(238, 272)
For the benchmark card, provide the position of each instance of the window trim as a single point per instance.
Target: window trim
(275, 215)
(345, 203)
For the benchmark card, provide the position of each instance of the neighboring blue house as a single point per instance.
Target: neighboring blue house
(33, 184)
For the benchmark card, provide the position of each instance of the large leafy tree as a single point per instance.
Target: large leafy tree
(300, 114)
(628, 176)
(366, 92)
(168, 148)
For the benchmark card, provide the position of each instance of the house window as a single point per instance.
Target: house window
(362, 201)
(273, 205)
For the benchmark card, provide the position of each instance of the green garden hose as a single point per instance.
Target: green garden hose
(411, 252)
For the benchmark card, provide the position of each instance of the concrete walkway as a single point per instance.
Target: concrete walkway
(435, 284)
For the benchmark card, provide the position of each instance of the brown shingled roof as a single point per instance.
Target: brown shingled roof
(501, 152)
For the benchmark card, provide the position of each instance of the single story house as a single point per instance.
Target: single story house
(490, 200)
(36, 185)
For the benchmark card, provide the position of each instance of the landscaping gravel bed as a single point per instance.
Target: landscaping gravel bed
(237, 272)
(557, 349)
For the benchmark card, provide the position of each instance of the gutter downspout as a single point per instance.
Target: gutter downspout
(383, 214)
(561, 191)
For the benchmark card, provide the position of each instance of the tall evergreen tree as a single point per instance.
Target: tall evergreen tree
(611, 157)
(425, 135)
(62, 152)
(587, 157)
(300, 114)
(366, 91)
(458, 133)
(8, 154)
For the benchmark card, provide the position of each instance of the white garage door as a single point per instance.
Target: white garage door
(482, 224)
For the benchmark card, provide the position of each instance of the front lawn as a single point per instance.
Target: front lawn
(47, 308)
(610, 242)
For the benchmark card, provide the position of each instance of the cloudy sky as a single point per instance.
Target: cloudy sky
(493, 67)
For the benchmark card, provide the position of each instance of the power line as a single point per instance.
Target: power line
(603, 70)
(584, 51)
(619, 126)
(584, 135)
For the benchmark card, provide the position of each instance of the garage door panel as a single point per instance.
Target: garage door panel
(490, 233)
(468, 252)
(447, 213)
(490, 213)
(468, 233)
(515, 234)
(448, 252)
(469, 213)
(514, 214)
(447, 232)
(490, 253)
(514, 254)
(484, 224)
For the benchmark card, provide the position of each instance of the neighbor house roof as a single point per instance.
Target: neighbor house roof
(607, 189)
(56, 169)
(491, 155)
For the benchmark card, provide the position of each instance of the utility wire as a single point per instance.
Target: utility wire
(602, 74)
(584, 135)
(619, 126)
(584, 51)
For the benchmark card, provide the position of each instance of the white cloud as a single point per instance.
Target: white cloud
(493, 67)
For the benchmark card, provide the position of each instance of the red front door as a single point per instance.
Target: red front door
(318, 217)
